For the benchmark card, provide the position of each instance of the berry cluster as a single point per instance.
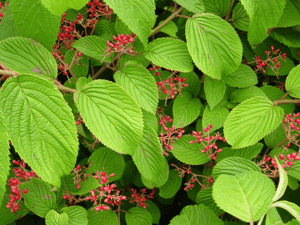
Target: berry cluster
(141, 197)
(292, 122)
(288, 160)
(171, 133)
(209, 142)
(97, 10)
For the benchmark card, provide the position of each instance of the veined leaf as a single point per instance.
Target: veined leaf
(76, 214)
(250, 121)
(194, 6)
(292, 208)
(217, 7)
(107, 217)
(193, 81)
(169, 189)
(116, 122)
(204, 33)
(292, 84)
(32, 57)
(170, 28)
(33, 109)
(214, 91)
(54, 218)
(153, 209)
(7, 26)
(138, 216)
(290, 16)
(58, 7)
(85, 186)
(243, 94)
(247, 196)
(216, 117)
(81, 69)
(169, 53)
(240, 17)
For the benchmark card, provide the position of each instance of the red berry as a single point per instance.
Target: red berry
(79, 54)
(65, 197)
(78, 186)
(25, 191)
(78, 122)
(78, 167)
(281, 156)
(272, 48)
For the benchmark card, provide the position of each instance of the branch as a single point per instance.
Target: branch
(286, 101)
(228, 14)
(8, 73)
(65, 89)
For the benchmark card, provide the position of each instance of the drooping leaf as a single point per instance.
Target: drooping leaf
(247, 196)
(214, 91)
(33, 108)
(194, 6)
(42, 27)
(138, 15)
(290, 16)
(292, 83)
(283, 182)
(39, 198)
(140, 84)
(263, 14)
(250, 121)
(138, 216)
(204, 32)
(119, 121)
(291, 207)
(169, 189)
(32, 57)
(54, 218)
(186, 109)
(240, 17)
(105, 217)
(58, 7)
(76, 214)
(169, 53)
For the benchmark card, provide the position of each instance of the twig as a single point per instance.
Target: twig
(228, 14)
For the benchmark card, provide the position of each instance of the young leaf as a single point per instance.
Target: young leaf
(57, 7)
(138, 15)
(140, 84)
(263, 17)
(138, 216)
(169, 189)
(54, 218)
(204, 32)
(169, 53)
(247, 196)
(214, 91)
(32, 107)
(292, 208)
(283, 182)
(189, 153)
(32, 57)
(116, 122)
(292, 83)
(107, 217)
(42, 27)
(108, 161)
(39, 198)
(251, 121)
(76, 214)
(186, 109)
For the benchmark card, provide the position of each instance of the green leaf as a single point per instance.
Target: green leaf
(42, 27)
(193, 81)
(186, 109)
(283, 182)
(105, 27)
(148, 156)
(204, 196)
(82, 68)
(76, 214)
(189, 153)
(180, 219)
(290, 16)
(32, 57)
(170, 28)
(93, 46)
(58, 7)
(4, 156)
(243, 94)
(32, 107)
(108, 161)
(273, 217)
(240, 17)
(7, 26)
(293, 183)
(204, 33)
(150, 120)
(250, 121)
(286, 66)
(274, 93)
(153, 209)
(247, 196)
(276, 137)
(247, 153)
(295, 171)
(140, 84)
(214, 91)
(263, 14)
(216, 117)
(243, 77)
(293, 222)
(54, 218)
(287, 36)
(119, 120)
(138, 216)
(194, 6)
(85, 186)
(39, 199)
(292, 208)
(138, 15)
(234, 166)
(169, 53)
(292, 83)
(169, 189)
(105, 217)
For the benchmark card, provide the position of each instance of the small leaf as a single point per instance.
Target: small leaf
(170, 28)
(138, 216)
(193, 81)
(286, 66)
(116, 122)
(251, 121)
(186, 109)
(204, 32)
(214, 91)
(76, 214)
(54, 218)
(292, 208)
(194, 6)
(169, 53)
(247, 196)
(105, 217)
(292, 83)
(105, 27)
(172, 186)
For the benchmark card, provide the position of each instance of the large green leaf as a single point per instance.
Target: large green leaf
(39, 198)
(105, 217)
(194, 6)
(148, 156)
(58, 7)
(263, 14)
(214, 91)
(138, 216)
(169, 53)
(140, 84)
(204, 33)
(250, 121)
(32, 57)
(4, 156)
(76, 214)
(189, 153)
(116, 121)
(247, 196)
(42, 27)
(292, 208)
(292, 83)
(186, 109)
(138, 15)
(107, 160)
(54, 218)
(169, 189)
(290, 16)
(41, 126)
